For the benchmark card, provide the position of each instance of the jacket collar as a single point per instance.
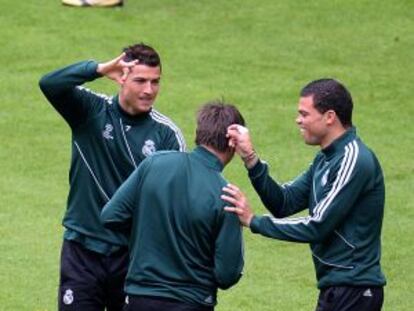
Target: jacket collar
(340, 142)
(208, 158)
(126, 116)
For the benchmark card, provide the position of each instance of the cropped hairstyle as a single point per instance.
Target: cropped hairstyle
(213, 119)
(329, 94)
(143, 53)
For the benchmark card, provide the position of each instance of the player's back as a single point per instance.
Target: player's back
(177, 219)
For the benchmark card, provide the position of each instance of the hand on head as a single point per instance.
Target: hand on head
(117, 69)
(239, 139)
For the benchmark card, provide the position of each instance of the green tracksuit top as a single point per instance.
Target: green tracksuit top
(343, 189)
(183, 244)
(107, 145)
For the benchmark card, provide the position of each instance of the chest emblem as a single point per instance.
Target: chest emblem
(324, 179)
(148, 148)
(107, 132)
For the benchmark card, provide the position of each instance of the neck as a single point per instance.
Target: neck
(224, 157)
(127, 108)
(334, 134)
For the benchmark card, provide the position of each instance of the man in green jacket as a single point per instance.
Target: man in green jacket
(183, 245)
(343, 190)
(111, 135)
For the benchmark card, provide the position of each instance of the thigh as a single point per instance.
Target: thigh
(80, 285)
(346, 298)
(116, 269)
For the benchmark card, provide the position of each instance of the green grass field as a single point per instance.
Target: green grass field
(256, 54)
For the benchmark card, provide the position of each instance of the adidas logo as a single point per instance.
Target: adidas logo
(209, 299)
(367, 293)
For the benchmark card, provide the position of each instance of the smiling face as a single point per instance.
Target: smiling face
(140, 89)
(313, 125)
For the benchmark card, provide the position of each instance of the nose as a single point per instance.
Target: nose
(298, 119)
(148, 88)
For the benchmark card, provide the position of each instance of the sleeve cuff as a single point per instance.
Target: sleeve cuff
(91, 67)
(257, 169)
(255, 224)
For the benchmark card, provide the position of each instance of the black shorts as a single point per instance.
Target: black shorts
(145, 303)
(90, 281)
(350, 298)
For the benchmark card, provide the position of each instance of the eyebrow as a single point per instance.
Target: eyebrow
(143, 78)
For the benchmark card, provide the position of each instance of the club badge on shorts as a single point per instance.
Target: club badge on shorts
(68, 297)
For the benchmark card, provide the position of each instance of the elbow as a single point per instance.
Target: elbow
(113, 225)
(229, 278)
(45, 84)
(319, 236)
(106, 220)
(228, 282)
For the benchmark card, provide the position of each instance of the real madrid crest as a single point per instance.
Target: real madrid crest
(68, 297)
(148, 148)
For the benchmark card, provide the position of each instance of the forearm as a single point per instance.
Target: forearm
(115, 217)
(228, 272)
(300, 229)
(229, 256)
(60, 82)
(269, 191)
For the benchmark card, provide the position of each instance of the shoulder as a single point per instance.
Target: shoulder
(163, 120)
(166, 153)
(360, 157)
(100, 97)
(166, 156)
(169, 128)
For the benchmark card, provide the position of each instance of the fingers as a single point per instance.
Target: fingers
(235, 210)
(229, 199)
(125, 73)
(233, 195)
(233, 127)
(126, 63)
(129, 64)
(120, 57)
(231, 189)
(126, 68)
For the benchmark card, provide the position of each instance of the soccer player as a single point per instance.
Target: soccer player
(343, 189)
(93, 3)
(183, 245)
(110, 137)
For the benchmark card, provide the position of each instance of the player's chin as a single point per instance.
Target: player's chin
(312, 141)
(145, 106)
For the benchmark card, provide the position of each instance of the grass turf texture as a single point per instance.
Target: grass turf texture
(256, 54)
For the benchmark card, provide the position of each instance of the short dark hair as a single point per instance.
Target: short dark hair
(213, 119)
(329, 94)
(145, 54)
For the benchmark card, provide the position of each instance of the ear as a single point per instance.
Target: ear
(330, 117)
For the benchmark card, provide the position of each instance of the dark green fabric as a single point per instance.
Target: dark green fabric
(183, 244)
(107, 144)
(343, 190)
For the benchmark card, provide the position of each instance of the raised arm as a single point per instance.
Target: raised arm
(281, 200)
(75, 103)
(331, 210)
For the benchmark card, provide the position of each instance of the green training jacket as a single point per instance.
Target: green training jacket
(107, 145)
(183, 244)
(343, 189)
